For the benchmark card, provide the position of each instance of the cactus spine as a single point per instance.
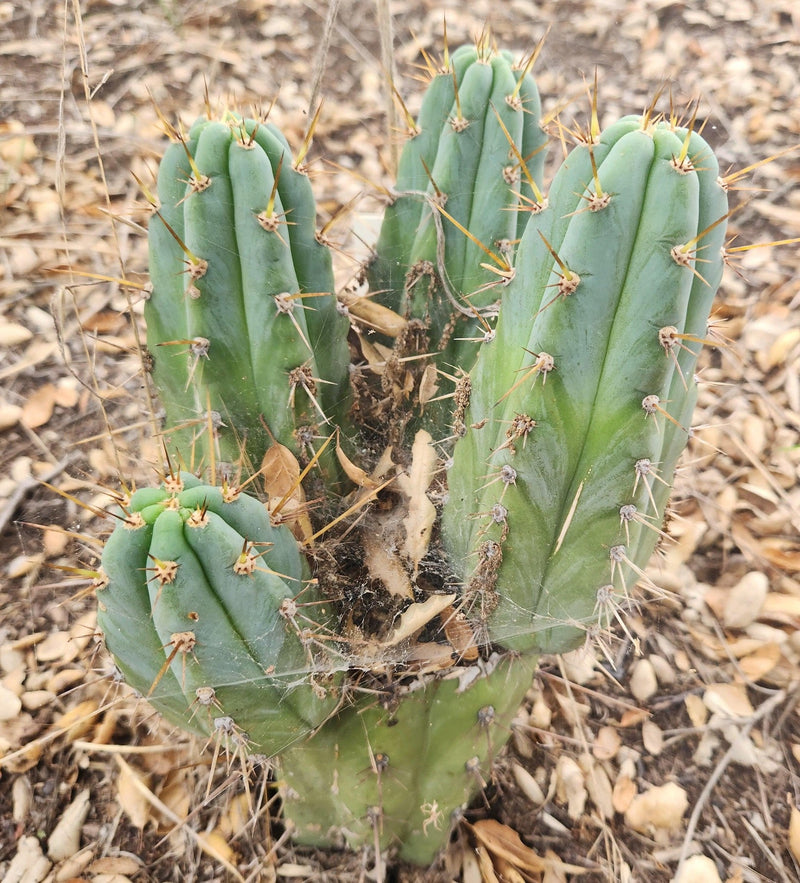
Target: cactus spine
(555, 453)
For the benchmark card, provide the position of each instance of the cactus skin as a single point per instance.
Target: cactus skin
(233, 343)
(239, 653)
(424, 267)
(406, 771)
(540, 547)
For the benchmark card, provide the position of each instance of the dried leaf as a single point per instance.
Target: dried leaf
(428, 384)
(757, 665)
(281, 471)
(460, 634)
(29, 864)
(744, 601)
(13, 334)
(127, 865)
(10, 704)
(76, 721)
(598, 785)
(65, 839)
(501, 840)
(660, 808)
(696, 709)
(571, 786)
(607, 743)
(730, 700)
(131, 786)
(652, 738)
(506, 843)
(643, 683)
(624, 793)
(355, 473)
(416, 617)
(386, 567)
(414, 484)
(528, 785)
(214, 843)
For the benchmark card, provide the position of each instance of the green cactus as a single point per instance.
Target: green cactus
(399, 775)
(588, 382)
(243, 326)
(197, 603)
(567, 430)
(473, 163)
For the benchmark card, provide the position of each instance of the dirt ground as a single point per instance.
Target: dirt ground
(685, 739)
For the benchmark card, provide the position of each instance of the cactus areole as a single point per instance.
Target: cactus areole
(512, 424)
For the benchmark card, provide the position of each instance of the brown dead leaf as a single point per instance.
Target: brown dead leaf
(386, 567)
(131, 788)
(76, 721)
(287, 499)
(504, 842)
(632, 717)
(281, 471)
(624, 793)
(607, 743)
(428, 384)
(214, 843)
(757, 665)
(39, 407)
(414, 484)
(373, 314)
(65, 839)
(355, 473)
(12, 333)
(696, 709)
(571, 786)
(104, 321)
(416, 617)
(698, 869)
(127, 865)
(730, 700)
(460, 634)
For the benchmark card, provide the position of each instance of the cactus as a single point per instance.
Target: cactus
(197, 603)
(384, 702)
(400, 775)
(243, 326)
(473, 163)
(586, 392)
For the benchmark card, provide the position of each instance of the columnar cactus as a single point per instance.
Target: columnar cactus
(247, 341)
(397, 775)
(380, 658)
(581, 404)
(473, 162)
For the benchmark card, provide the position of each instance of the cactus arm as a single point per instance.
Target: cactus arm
(576, 470)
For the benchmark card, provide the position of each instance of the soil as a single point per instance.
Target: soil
(693, 700)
